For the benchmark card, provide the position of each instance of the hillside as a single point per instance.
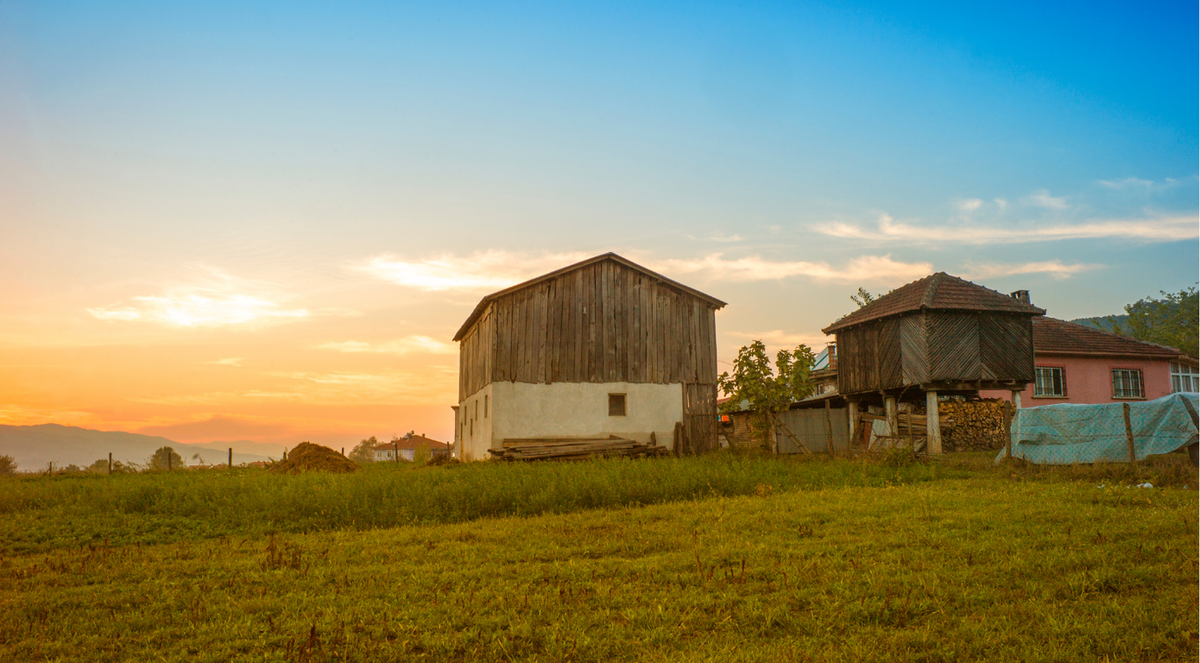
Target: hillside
(1108, 323)
(35, 447)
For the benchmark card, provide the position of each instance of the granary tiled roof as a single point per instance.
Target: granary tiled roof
(482, 306)
(412, 442)
(1053, 336)
(939, 291)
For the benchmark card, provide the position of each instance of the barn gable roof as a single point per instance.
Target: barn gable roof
(939, 291)
(1052, 336)
(483, 303)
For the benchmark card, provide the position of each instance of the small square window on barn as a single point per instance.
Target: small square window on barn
(616, 405)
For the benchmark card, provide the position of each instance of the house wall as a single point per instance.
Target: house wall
(1089, 379)
(566, 409)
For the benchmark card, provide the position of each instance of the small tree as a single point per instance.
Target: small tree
(767, 390)
(166, 458)
(8, 465)
(862, 297)
(365, 451)
(1173, 320)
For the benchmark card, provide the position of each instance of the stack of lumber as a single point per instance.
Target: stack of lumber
(972, 425)
(573, 448)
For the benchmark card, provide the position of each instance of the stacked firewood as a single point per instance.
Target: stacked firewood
(972, 425)
(573, 449)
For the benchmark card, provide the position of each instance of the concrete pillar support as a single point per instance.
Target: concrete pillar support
(1016, 399)
(933, 428)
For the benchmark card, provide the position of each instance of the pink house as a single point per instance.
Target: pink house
(1078, 364)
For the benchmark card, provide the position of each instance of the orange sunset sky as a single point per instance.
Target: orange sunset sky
(262, 225)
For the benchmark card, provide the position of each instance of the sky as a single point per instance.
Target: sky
(262, 223)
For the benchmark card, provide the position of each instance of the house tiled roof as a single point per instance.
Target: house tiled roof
(1053, 336)
(483, 303)
(411, 442)
(939, 291)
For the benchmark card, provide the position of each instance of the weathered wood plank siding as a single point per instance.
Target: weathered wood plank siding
(601, 323)
(930, 347)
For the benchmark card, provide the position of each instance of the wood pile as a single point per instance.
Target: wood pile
(574, 449)
(972, 425)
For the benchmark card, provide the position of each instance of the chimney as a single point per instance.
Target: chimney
(1021, 296)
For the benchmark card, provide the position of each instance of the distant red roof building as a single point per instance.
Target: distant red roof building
(407, 447)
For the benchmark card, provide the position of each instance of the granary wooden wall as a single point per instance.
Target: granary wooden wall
(935, 347)
(602, 322)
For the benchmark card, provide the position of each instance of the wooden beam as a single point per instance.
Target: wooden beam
(933, 430)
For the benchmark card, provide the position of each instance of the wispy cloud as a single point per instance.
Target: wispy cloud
(415, 344)
(1055, 268)
(1155, 229)
(430, 387)
(228, 361)
(968, 205)
(778, 338)
(219, 300)
(865, 268)
(1044, 199)
(1127, 183)
(482, 271)
(1139, 184)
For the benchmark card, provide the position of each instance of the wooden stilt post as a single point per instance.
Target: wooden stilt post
(852, 416)
(889, 407)
(231, 458)
(828, 427)
(933, 428)
(1008, 415)
(1129, 433)
(110, 462)
(910, 431)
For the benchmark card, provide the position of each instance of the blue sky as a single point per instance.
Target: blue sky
(161, 161)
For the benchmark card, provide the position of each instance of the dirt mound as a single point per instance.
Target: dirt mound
(309, 457)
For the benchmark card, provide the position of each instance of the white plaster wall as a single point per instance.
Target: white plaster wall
(568, 409)
(475, 425)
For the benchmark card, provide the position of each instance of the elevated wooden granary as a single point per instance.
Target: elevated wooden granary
(604, 347)
(938, 334)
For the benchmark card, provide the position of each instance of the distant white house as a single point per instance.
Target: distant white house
(406, 447)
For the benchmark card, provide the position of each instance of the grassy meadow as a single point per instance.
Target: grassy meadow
(719, 558)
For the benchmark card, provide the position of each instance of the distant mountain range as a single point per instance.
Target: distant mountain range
(35, 447)
(1116, 323)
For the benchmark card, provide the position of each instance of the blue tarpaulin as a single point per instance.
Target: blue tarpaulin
(1067, 433)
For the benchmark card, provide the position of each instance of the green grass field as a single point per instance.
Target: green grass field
(721, 558)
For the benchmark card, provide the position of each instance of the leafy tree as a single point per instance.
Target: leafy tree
(365, 451)
(767, 390)
(1173, 320)
(8, 465)
(159, 461)
(862, 297)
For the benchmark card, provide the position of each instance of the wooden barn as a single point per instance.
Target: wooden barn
(599, 348)
(940, 334)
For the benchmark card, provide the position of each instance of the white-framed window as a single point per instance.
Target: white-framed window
(1049, 382)
(1127, 383)
(1184, 378)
